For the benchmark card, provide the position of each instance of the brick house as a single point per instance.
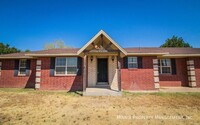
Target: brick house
(101, 62)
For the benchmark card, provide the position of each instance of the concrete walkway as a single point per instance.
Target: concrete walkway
(101, 92)
(179, 89)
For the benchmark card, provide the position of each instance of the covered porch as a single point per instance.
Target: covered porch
(101, 62)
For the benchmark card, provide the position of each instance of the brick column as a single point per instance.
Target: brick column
(156, 74)
(113, 73)
(119, 71)
(191, 73)
(38, 74)
(92, 71)
(0, 67)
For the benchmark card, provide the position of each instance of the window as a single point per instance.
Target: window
(22, 67)
(66, 65)
(132, 62)
(164, 66)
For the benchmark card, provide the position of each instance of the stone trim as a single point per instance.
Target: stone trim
(38, 74)
(156, 74)
(191, 73)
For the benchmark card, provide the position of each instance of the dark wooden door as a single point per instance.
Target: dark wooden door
(102, 70)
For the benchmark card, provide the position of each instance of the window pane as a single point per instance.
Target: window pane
(165, 62)
(60, 70)
(71, 70)
(132, 59)
(22, 63)
(72, 62)
(22, 71)
(132, 65)
(60, 61)
(166, 70)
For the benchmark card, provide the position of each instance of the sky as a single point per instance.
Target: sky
(30, 24)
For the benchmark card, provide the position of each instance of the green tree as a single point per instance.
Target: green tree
(27, 50)
(56, 44)
(5, 49)
(49, 46)
(175, 41)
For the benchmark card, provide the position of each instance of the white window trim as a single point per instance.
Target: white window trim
(160, 67)
(19, 74)
(133, 62)
(66, 74)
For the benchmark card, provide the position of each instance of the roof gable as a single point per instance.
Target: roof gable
(101, 32)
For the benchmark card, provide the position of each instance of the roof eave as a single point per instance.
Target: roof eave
(147, 54)
(17, 57)
(46, 55)
(181, 55)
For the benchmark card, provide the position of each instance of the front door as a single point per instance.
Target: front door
(102, 70)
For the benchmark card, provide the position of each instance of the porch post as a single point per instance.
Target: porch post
(84, 72)
(119, 71)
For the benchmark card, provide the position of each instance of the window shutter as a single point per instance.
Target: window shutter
(16, 67)
(79, 66)
(52, 66)
(139, 61)
(173, 64)
(125, 62)
(28, 64)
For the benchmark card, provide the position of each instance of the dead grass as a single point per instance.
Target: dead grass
(25, 106)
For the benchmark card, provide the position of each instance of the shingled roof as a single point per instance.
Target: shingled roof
(57, 51)
(15, 55)
(130, 51)
(164, 50)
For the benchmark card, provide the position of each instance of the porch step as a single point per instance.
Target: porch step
(101, 92)
(101, 86)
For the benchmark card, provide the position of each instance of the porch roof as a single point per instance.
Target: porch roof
(101, 32)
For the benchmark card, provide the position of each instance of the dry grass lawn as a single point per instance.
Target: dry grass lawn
(21, 106)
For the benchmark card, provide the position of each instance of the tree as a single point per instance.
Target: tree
(5, 49)
(27, 50)
(56, 44)
(175, 41)
(49, 46)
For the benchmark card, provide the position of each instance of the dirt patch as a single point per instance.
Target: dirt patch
(61, 108)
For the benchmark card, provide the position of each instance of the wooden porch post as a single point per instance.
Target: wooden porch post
(119, 71)
(84, 72)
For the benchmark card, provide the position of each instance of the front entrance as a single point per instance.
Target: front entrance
(102, 71)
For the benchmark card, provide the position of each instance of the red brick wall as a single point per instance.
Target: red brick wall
(197, 70)
(179, 79)
(69, 83)
(138, 79)
(8, 80)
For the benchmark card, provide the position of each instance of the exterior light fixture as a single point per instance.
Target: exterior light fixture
(113, 58)
(91, 58)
